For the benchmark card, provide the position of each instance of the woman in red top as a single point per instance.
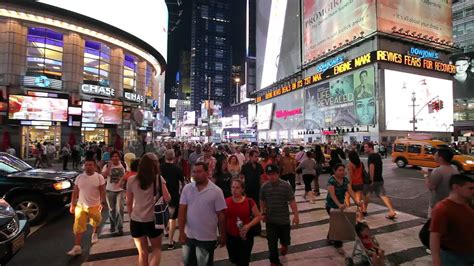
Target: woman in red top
(356, 168)
(239, 213)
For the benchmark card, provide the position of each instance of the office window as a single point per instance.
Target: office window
(149, 80)
(219, 66)
(130, 72)
(96, 63)
(44, 53)
(219, 28)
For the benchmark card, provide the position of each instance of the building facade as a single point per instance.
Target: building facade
(210, 52)
(71, 78)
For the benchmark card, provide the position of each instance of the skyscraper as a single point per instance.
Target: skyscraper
(250, 47)
(463, 24)
(210, 52)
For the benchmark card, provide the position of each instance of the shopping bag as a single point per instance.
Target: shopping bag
(161, 212)
(341, 224)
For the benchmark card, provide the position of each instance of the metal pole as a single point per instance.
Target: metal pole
(209, 137)
(413, 99)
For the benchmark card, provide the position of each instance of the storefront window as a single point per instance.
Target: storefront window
(44, 53)
(149, 80)
(129, 72)
(44, 135)
(96, 63)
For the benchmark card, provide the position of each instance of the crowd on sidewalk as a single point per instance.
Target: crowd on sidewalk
(226, 195)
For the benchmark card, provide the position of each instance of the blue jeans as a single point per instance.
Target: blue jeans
(115, 202)
(450, 258)
(198, 253)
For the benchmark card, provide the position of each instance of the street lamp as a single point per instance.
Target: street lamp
(237, 94)
(413, 100)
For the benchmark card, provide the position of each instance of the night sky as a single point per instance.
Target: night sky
(180, 38)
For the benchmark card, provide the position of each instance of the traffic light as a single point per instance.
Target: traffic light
(435, 106)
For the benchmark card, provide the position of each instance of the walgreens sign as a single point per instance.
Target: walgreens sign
(286, 113)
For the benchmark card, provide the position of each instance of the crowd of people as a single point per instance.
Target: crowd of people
(222, 195)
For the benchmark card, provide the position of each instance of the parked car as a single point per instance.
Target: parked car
(14, 228)
(33, 191)
(420, 153)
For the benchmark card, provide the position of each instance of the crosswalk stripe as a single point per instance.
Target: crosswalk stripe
(308, 240)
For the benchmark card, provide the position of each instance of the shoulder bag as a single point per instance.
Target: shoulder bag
(256, 229)
(160, 209)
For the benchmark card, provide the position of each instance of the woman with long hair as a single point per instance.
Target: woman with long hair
(140, 201)
(356, 179)
(241, 215)
(234, 166)
(114, 171)
(320, 159)
(222, 177)
(308, 168)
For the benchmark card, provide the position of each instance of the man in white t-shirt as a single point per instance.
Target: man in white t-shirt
(88, 199)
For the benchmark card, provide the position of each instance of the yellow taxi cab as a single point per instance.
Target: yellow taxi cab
(420, 153)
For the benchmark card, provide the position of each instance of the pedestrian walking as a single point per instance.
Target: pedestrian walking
(299, 158)
(375, 169)
(338, 186)
(174, 179)
(275, 196)
(76, 156)
(141, 198)
(51, 153)
(87, 201)
(309, 169)
(318, 156)
(234, 166)
(452, 233)
(208, 159)
(194, 156)
(251, 174)
(356, 180)
(222, 177)
(65, 153)
(242, 218)
(201, 214)
(288, 168)
(114, 171)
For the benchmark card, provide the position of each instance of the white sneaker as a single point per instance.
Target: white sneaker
(94, 238)
(76, 250)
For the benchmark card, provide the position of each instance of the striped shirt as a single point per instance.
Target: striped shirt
(277, 196)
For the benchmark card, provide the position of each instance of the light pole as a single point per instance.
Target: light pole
(413, 103)
(237, 94)
(209, 132)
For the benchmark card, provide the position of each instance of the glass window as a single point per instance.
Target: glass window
(430, 149)
(414, 148)
(149, 80)
(129, 72)
(400, 147)
(96, 63)
(44, 53)
(219, 66)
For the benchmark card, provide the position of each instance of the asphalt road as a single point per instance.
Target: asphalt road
(50, 242)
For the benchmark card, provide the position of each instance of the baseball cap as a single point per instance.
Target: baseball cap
(271, 168)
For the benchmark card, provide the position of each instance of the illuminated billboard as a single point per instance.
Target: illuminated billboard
(133, 17)
(430, 18)
(189, 118)
(22, 107)
(264, 116)
(346, 101)
(329, 23)
(101, 113)
(463, 89)
(399, 89)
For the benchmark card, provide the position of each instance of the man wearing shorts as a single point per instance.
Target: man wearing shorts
(375, 167)
(88, 199)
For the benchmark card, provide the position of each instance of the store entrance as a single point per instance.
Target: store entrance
(32, 135)
(96, 135)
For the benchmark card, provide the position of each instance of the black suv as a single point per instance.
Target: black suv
(33, 191)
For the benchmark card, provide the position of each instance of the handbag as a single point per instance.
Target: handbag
(256, 229)
(365, 176)
(160, 209)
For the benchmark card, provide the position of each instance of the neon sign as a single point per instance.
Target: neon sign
(422, 53)
(286, 113)
(329, 64)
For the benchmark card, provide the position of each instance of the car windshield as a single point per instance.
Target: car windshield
(444, 146)
(11, 164)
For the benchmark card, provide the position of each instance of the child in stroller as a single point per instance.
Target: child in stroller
(371, 246)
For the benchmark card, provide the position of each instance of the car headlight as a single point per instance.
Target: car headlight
(469, 161)
(6, 209)
(62, 185)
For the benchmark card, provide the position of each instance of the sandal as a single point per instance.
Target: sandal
(391, 217)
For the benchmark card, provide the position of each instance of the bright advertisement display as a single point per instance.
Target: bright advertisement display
(231, 122)
(287, 112)
(22, 107)
(463, 88)
(431, 18)
(399, 89)
(189, 118)
(101, 113)
(264, 116)
(345, 101)
(127, 16)
(328, 23)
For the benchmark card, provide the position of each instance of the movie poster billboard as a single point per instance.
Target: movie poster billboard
(22, 107)
(345, 101)
(399, 89)
(328, 23)
(431, 18)
(463, 87)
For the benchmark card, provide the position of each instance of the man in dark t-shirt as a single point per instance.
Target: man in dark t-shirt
(251, 173)
(375, 168)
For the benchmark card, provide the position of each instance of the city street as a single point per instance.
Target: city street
(47, 245)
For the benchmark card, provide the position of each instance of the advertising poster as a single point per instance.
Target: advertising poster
(399, 89)
(264, 116)
(345, 101)
(327, 23)
(288, 111)
(432, 18)
(36, 108)
(463, 87)
(189, 118)
(101, 113)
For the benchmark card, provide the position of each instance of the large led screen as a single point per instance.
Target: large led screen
(22, 107)
(463, 88)
(328, 23)
(101, 113)
(345, 101)
(431, 18)
(399, 89)
(147, 20)
(278, 54)
(264, 116)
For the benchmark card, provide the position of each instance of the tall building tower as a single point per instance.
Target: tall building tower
(250, 47)
(210, 52)
(185, 73)
(463, 24)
